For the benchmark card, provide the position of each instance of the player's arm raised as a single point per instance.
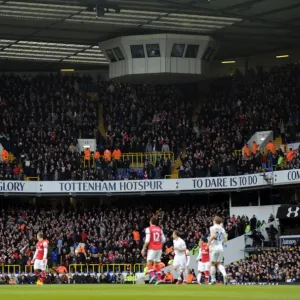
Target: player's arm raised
(147, 241)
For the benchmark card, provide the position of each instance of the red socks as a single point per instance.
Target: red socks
(150, 267)
(158, 272)
(206, 273)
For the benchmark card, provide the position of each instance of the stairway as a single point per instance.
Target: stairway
(101, 121)
(278, 142)
(177, 163)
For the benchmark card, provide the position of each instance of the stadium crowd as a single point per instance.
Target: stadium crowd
(274, 265)
(66, 230)
(43, 138)
(43, 116)
(239, 106)
(146, 118)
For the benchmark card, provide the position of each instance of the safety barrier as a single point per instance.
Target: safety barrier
(172, 176)
(29, 269)
(116, 268)
(10, 269)
(36, 178)
(238, 152)
(84, 268)
(88, 163)
(139, 268)
(137, 160)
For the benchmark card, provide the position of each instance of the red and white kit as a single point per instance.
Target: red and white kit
(40, 255)
(203, 259)
(155, 239)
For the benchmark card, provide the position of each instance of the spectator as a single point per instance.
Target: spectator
(276, 265)
(253, 223)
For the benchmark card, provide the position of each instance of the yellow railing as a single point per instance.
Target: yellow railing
(100, 268)
(88, 163)
(116, 268)
(84, 268)
(78, 268)
(29, 269)
(139, 268)
(137, 160)
(36, 178)
(10, 269)
(172, 176)
(237, 152)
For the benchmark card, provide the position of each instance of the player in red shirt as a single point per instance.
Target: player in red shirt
(203, 260)
(40, 258)
(154, 241)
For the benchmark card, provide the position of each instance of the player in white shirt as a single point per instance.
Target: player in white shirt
(216, 240)
(181, 259)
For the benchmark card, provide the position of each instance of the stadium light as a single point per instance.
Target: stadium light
(228, 62)
(282, 56)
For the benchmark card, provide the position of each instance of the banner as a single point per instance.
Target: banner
(225, 182)
(288, 212)
(286, 177)
(26, 187)
(104, 187)
(151, 186)
(289, 240)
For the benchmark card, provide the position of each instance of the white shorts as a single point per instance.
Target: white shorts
(180, 261)
(202, 267)
(154, 255)
(40, 265)
(216, 256)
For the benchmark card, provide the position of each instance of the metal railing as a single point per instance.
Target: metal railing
(82, 268)
(136, 160)
(237, 152)
(139, 268)
(29, 269)
(116, 268)
(10, 269)
(172, 176)
(33, 178)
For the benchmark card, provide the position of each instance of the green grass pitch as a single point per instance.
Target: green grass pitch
(145, 292)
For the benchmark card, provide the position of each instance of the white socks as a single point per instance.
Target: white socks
(185, 274)
(213, 273)
(199, 278)
(222, 270)
(178, 274)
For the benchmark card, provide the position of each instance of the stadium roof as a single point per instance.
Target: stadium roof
(66, 32)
